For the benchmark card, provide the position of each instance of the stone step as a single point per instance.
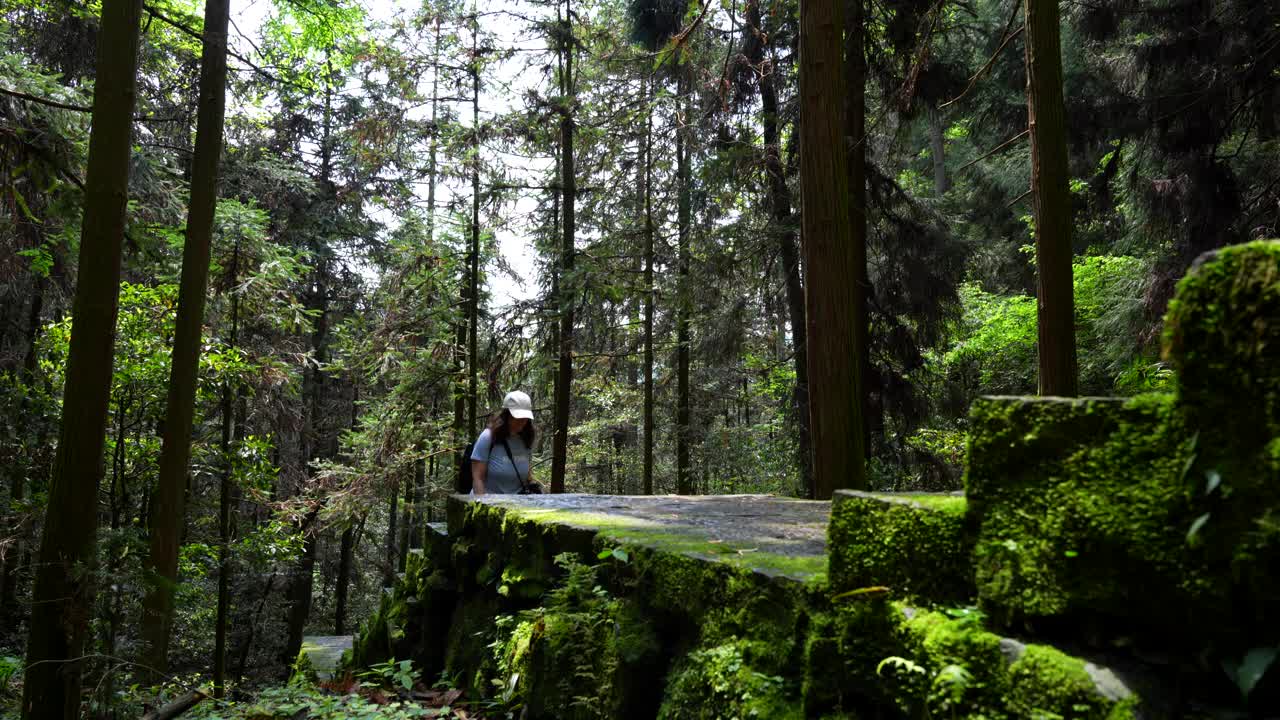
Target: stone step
(324, 653)
(917, 545)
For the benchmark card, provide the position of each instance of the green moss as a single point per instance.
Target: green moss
(1047, 683)
(720, 681)
(1081, 506)
(916, 544)
(581, 654)
(1222, 333)
(982, 682)
(844, 647)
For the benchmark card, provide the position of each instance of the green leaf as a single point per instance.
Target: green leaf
(1251, 669)
(1195, 529)
(621, 555)
(1214, 479)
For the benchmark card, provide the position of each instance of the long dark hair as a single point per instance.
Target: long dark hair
(500, 429)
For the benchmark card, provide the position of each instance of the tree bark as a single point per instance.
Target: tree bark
(170, 493)
(344, 581)
(408, 516)
(564, 374)
(300, 589)
(832, 301)
(1046, 118)
(785, 229)
(938, 150)
(473, 291)
(64, 588)
(388, 575)
(19, 469)
(649, 292)
(226, 490)
(855, 64)
(684, 478)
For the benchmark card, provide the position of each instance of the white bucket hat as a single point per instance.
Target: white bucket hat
(518, 404)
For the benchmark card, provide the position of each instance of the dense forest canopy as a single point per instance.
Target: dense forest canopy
(412, 208)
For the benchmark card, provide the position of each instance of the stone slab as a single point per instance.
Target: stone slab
(325, 652)
(776, 536)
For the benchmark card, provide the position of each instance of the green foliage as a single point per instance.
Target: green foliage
(391, 672)
(10, 670)
(574, 656)
(282, 703)
(720, 682)
(995, 348)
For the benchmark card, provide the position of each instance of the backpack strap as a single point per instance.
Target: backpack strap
(523, 485)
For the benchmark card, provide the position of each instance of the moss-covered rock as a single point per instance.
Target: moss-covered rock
(412, 619)
(916, 544)
(968, 664)
(1222, 334)
(844, 646)
(1081, 507)
(1046, 683)
(1156, 517)
(585, 660)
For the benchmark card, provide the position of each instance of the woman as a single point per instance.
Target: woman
(500, 458)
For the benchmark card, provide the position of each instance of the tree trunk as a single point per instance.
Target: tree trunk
(785, 228)
(226, 490)
(63, 596)
(649, 292)
(473, 292)
(388, 574)
(684, 480)
(19, 469)
(831, 259)
(300, 589)
(564, 374)
(1046, 117)
(855, 65)
(408, 514)
(344, 581)
(938, 149)
(435, 135)
(170, 494)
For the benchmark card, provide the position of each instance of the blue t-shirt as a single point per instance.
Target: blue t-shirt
(501, 477)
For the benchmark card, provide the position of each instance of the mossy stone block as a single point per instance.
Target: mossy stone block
(551, 652)
(844, 646)
(1046, 682)
(971, 672)
(918, 545)
(1222, 334)
(1098, 511)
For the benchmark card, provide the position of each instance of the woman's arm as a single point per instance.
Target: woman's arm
(479, 471)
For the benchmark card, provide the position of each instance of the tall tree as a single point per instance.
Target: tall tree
(855, 122)
(473, 255)
(225, 491)
(1046, 118)
(169, 501)
(649, 292)
(832, 301)
(684, 299)
(64, 585)
(569, 191)
(759, 50)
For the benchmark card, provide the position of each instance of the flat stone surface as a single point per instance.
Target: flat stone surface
(774, 535)
(325, 651)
